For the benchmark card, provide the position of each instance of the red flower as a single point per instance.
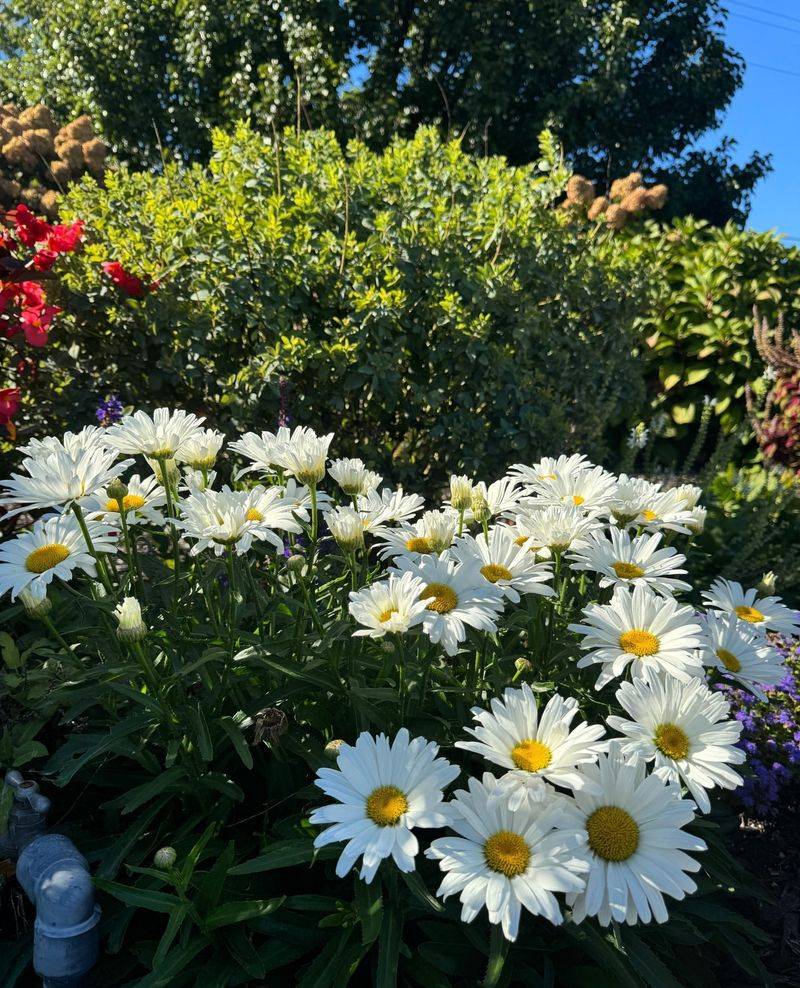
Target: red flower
(63, 239)
(126, 281)
(9, 406)
(36, 323)
(30, 230)
(44, 259)
(32, 293)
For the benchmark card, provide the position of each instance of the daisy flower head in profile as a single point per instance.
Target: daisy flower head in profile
(760, 614)
(160, 437)
(200, 450)
(389, 507)
(637, 845)
(52, 547)
(142, 504)
(382, 792)
(639, 629)
(460, 492)
(433, 534)
(533, 747)
(391, 606)
(556, 528)
(222, 519)
(666, 510)
(550, 468)
(510, 567)
(74, 443)
(624, 561)
(740, 654)
(353, 477)
(304, 455)
(630, 498)
(347, 527)
(261, 450)
(685, 729)
(59, 479)
(508, 860)
(456, 597)
(498, 498)
(298, 496)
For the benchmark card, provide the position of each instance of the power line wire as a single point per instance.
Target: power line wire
(771, 68)
(758, 20)
(765, 10)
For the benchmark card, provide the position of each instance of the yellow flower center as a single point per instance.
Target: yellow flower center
(46, 557)
(160, 454)
(442, 598)
(494, 572)
(649, 515)
(548, 476)
(385, 805)
(419, 545)
(627, 571)
(578, 500)
(749, 614)
(129, 503)
(507, 853)
(253, 514)
(613, 833)
(639, 642)
(531, 755)
(671, 741)
(385, 615)
(729, 660)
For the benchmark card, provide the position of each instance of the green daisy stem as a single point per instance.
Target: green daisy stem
(498, 951)
(165, 480)
(102, 569)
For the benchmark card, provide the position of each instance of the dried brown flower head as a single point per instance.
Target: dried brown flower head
(598, 207)
(60, 171)
(38, 118)
(622, 187)
(48, 202)
(80, 129)
(635, 201)
(72, 153)
(19, 154)
(40, 142)
(270, 724)
(616, 216)
(580, 190)
(657, 197)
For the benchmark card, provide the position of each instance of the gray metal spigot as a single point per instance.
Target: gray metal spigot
(28, 817)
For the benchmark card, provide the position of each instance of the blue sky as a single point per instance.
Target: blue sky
(765, 113)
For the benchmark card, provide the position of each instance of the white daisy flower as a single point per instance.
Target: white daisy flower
(197, 480)
(53, 547)
(347, 527)
(761, 614)
(353, 477)
(685, 729)
(299, 497)
(131, 626)
(74, 443)
(433, 533)
(160, 437)
(383, 792)
(141, 504)
(637, 845)
(508, 860)
(200, 450)
(638, 628)
(666, 509)
(555, 528)
(689, 494)
(304, 455)
(455, 596)
(630, 498)
(270, 507)
(513, 735)
(389, 507)
(590, 490)
(697, 522)
(729, 645)
(550, 468)
(623, 561)
(498, 498)
(460, 492)
(510, 567)
(389, 606)
(262, 449)
(59, 478)
(218, 519)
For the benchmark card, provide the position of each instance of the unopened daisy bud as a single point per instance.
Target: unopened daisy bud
(347, 527)
(480, 506)
(200, 451)
(117, 491)
(523, 665)
(460, 492)
(697, 522)
(296, 563)
(332, 749)
(165, 858)
(768, 584)
(35, 606)
(131, 626)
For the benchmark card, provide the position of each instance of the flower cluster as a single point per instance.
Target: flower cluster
(571, 809)
(627, 198)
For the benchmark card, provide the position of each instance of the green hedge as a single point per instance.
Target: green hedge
(432, 306)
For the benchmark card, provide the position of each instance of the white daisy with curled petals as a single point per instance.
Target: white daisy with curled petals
(382, 793)
(52, 547)
(531, 746)
(761, 614)
(639, 629)
(90, 437)
(161, 436)
(200, 450)
(261, 450)
(550, 468)
(510, 567)
(637, 844)
(390, 606)
(500, 497)
(432, 533)
(353, 477)
(590, 490)
(555, 528)
(142, 504)
(221, 519)
(304, 455)
(623, 561)
(389, 507)
(685, 729)
(456, 596)
(631, 497)
(508, 860)
(740, 654)
(666, 510)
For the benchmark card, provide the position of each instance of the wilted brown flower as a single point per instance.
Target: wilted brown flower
(11, 126)
(657, 196)
(19, 153)
(9, 190)
(38, 118)
(80, 129)
(621, 187)
(635, 201)
(616, 216)
(40, 141)
(72, 153)
(32, 197)
(60, 171)
(94, 154)
(49, 202)
(598, 207)
(580, 190)
(270, 723)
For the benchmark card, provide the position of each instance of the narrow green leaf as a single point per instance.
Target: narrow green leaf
(237, 740)
(162, 902)
(239, 912)
(369, 904)
(389, 947)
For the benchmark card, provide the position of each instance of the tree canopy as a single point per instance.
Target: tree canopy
(626, 83)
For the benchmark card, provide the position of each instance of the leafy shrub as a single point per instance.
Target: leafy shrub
(433, 307)
(185, 723)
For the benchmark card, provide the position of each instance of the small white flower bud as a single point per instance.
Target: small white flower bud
(347, 527)
(460, 492)
(131, 626)
(165, 858)
(332, 749)
(35, 606)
